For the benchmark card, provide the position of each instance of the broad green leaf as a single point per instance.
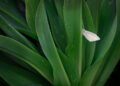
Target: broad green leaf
(111, 62)
(57, 28)
(113, 54)
(10, 31)
(70, 69)
(73, 24)
(107, 28)
(48, 46)
(88, 25)
(11, 21)
(26, 55)
(9, 8)
(59, 6)
(94, 6)
(30, 34)
(90, 74)
(31, 8)
(18, 26)
(17, 76)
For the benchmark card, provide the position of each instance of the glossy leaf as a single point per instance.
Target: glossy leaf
(88, 25)
(94, 6)
(9, 8)
(57, 27)
(10, 31)
(69, 67)
(31, 8)
(113, 58)
(48, 46)
(59, 6)
(73, 24)
(26, 55)
(16, 76)
(107, 28)
(113, 53)
(90, 74)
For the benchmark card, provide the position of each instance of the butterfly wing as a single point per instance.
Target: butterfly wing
(90, 36)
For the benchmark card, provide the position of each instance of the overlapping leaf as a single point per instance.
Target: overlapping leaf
(73, 24)
(48, 46)
(26, 55)
(16, 76)
(31, 8)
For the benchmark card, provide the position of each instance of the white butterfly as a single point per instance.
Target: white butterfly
(90, 36)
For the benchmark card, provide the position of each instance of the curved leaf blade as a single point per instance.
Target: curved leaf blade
(31, 8)
(72, 12)
(26, 55)
(48, 46)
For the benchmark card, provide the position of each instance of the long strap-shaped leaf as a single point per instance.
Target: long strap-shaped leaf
(16, 76)
(12, 21)
(73, 24)
(57, 27)
(95, 6)
(107, 28)
(10, 31)
(89, 25)
(90, 75)
(9, 8)
(48, 46)
(26, 55)
(31, 8)
(59, 6)
(70, 69)
(110, 64)
(113, 54)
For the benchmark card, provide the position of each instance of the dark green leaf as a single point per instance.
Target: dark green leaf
(58, 30)
(88, 25)
(107, 28)
(9, 8)
(10, 31)
(73, 24)
(17, 76)
(26, 55)
(48, 46)
(31, 8)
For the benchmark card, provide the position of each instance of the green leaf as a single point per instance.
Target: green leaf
(59, 6)
(16, 76)
(73, 24)
(70, 69)
(107, 28)
(26, 55)
(88, 25)
(57, 28)
(48, 46)
(108, 25)
(9, 8)
(10, 31)
(30, 34)
(111, 62)
(90, 74)
(11, 21)
(95, 6)
(18, 26)
(113, 53)
(31, 8)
